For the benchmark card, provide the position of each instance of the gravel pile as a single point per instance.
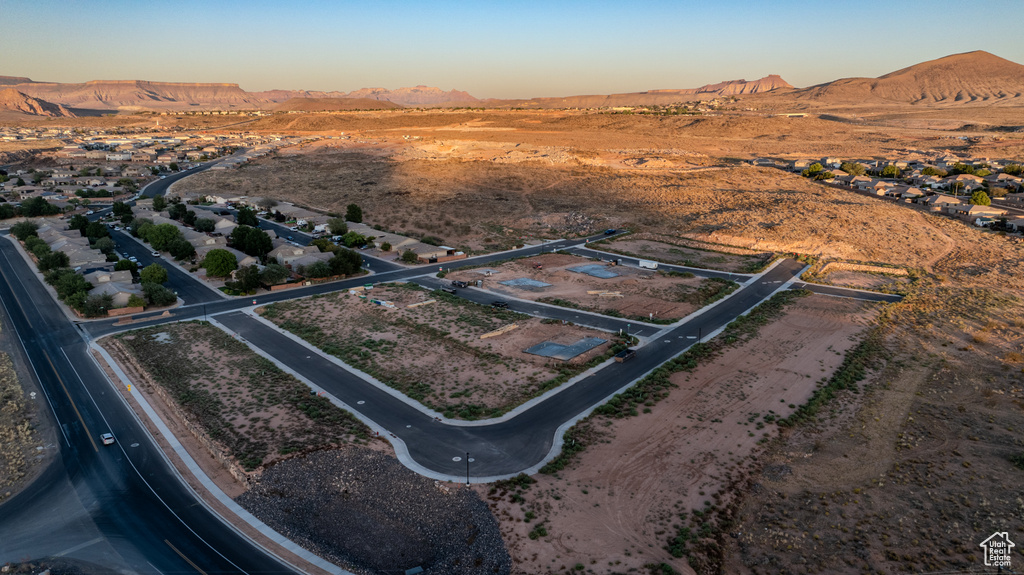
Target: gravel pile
(366, 512)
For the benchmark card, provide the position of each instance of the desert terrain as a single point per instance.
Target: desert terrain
(821, 435)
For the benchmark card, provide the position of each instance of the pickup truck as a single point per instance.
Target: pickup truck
(459, 284)
(625, 355)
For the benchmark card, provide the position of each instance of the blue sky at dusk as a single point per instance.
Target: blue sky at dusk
(490, 49)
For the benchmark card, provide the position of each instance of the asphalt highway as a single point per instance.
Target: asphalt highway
(120, 506)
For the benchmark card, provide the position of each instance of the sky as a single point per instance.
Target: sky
(510, 49)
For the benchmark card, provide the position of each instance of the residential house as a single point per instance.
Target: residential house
(938, 202)
(105, 276)
(1016, 225)
(288, 254)
(120, 292)
(970, 213)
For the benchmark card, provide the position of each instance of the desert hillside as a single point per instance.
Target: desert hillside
(970, 78)
(12, 100)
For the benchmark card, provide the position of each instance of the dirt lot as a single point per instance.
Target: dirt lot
(864, 280)
(247, 411)
(434, 353)
(372, 515)
(20, 442)
(674, 251)
(614, 509)
(635, 293)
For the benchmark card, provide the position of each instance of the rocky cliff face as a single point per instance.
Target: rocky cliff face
(418, 96)
(137, 94)
(12, 100)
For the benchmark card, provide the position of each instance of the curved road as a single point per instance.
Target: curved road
(123, 507)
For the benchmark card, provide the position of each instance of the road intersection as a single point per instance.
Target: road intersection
(133, 511)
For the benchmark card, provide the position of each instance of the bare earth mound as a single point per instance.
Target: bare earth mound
(365, 511)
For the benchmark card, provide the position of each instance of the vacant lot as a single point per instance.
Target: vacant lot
(633, 293)
(434, 353)
(370, 514)
(676, 251)
(247, 411)
(617, 506)
(18, 436)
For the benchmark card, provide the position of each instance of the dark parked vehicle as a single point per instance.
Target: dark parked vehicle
(610, 231)
(625, 355)
(499, 304)
(459, 284)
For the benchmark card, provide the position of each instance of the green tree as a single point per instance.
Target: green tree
(346, 262)
(205, 225)
(120, 209)
(180, 249)
(812, 170)
(97, 305)
(189, 219)
(274, 274)
(105, 245)
(157, 294)
(354, 213)
(78, 222)
(19, 183)
(961, 168)
(247, 279)
(39, 248)
(890, 171)
(153, 274)
(984, 172)
(252, 241)
(23, 230)
(318, 270)
(933, 171)
(136, 226)
(124, 265)
(173, 166)
(220, 263)
(337, 226)
(1013, 169)
(70, 283)
(53, 261)
(177, 211)
(136, 301)
(353, 239)
(410, 257)
(852, 168)
(159, 203)
(324, 245)
(7, 211)
(980, 198)
(96, 230)
(247, 217)
(35, 207)
(386, 247)
(160, 236)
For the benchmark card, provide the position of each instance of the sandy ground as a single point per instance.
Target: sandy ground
(863, 280)
(644, 294)
(434, 352)
(619, 502)
(247, 412)
(678, 253)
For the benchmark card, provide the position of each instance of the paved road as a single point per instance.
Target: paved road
(120, 506)
(522, 441)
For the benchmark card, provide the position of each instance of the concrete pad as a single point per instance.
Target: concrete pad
(565, 352)
(595, 270)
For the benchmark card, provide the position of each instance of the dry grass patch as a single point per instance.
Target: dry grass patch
(248, 408)
(18, 437)
(433, 353)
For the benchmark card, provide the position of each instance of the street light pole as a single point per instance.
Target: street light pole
(467, 469)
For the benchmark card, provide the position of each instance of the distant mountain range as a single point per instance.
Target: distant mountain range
(975, 77)
(12, 100)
